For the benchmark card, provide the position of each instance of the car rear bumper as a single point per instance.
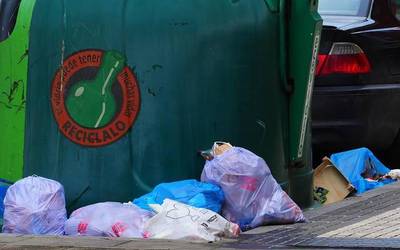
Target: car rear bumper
(346, 117)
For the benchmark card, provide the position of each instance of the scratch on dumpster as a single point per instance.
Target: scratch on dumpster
(151, 92)
(23, 56)
(156, 66)
(80, 195)
(264, 128)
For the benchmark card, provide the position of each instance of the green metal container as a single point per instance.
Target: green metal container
(121, 95)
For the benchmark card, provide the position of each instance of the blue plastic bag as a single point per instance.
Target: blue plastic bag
(190, 192)
(4, 184)
(352, 164)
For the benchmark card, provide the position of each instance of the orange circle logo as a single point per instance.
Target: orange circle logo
(95, 97)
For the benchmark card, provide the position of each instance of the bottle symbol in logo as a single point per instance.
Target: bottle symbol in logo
(91, 103)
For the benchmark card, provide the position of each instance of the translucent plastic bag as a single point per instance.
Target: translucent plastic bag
(252, 195)
(108, 219)
(190, 192)
(177, 221)
(35, 205)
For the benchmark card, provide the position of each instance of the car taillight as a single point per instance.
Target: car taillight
(344, 58)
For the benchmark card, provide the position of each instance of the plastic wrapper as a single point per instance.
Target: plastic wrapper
(35, 205)
(252, 195)
(108, 219)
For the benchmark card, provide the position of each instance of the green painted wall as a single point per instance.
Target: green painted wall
(13, 84)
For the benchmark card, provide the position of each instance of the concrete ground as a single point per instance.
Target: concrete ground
(370, 221)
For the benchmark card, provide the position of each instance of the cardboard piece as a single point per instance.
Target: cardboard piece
(327, 176)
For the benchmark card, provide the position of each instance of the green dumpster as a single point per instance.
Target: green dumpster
(116, 96)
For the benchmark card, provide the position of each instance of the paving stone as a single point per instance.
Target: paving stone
(67, 242)
(165, 245)
(12, 238)
(369, 228)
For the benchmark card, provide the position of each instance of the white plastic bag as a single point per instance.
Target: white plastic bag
(108, 219)
(35, 205)
(177, 221)
(394, 174)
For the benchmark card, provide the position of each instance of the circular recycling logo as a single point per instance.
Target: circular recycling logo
(95, 97)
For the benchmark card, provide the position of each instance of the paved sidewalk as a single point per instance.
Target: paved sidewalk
(366, 222)
(370, 221)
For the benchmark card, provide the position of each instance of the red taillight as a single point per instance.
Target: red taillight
(344, 58)
(321, 63)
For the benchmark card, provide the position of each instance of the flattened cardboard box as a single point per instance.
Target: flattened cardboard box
(327, 176)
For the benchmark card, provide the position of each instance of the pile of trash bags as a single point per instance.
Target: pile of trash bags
(237, 192)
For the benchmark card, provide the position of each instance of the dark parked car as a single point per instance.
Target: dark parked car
(356, 101)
